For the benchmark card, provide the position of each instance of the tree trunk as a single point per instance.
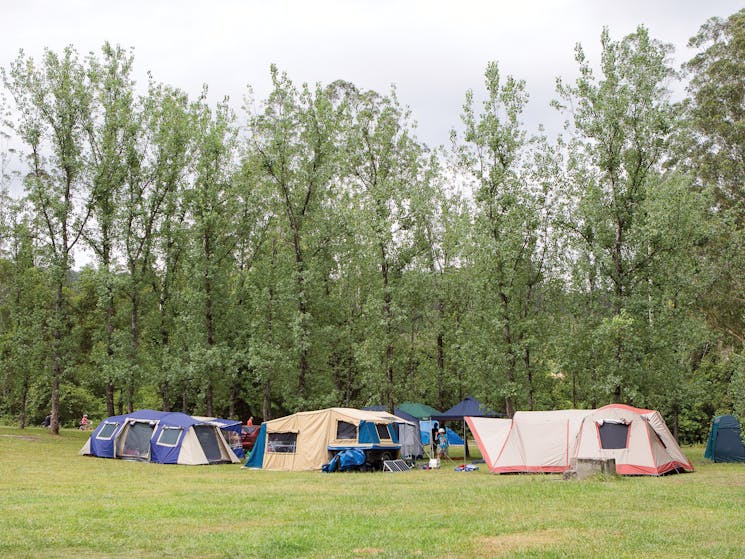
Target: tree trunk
(165, 395)
(441, 353)
(303, 310)
(529, 370)
(266, 404)
(388, 395)
(109, 388)
(134, 345)
(24, 399)
(509, 404)
(232, 398)
(57, 354)
(618, 302)
(109, 327)
(208, 400)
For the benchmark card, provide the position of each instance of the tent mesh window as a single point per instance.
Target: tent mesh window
(383, 432)
(658, 437)
(107, 431)
(281, 442)
(169, 436)
(613, 435)
(346, 430)
(208, 438)
(136, 444)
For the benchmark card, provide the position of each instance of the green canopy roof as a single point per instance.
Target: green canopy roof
(419, 411)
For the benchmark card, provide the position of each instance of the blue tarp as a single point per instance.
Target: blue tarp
(346, 460)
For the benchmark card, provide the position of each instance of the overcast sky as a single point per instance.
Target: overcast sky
(433, 51)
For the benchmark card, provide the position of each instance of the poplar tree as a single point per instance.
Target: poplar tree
(622, 221)
(53, 100)
(112, 134)
(509, 238)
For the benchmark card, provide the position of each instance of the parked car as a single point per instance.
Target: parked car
(248, 436)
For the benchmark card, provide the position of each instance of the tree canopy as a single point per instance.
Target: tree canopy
(313, 252)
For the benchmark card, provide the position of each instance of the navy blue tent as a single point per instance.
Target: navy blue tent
(468, 407)
(725, 441)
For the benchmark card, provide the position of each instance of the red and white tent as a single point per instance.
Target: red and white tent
(552, 441)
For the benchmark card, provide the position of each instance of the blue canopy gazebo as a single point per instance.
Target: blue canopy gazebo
(467, 407)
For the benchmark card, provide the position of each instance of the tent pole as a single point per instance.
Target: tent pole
(465, 442)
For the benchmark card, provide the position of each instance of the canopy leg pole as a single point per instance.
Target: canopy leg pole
(466, 453)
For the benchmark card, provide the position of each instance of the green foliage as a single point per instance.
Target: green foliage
(715, 108)
(322, 255)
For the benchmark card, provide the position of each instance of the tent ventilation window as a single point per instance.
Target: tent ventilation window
(107, 431)
(659, 439)
(169, 436)
(346, 430)
(281, 442)
(613, 434)
(383, 432)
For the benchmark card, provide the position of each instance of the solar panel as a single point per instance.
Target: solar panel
(395, 466)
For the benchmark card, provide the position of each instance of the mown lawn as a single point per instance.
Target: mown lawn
(55, 503)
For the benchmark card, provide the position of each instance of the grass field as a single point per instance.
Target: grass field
(55, 503)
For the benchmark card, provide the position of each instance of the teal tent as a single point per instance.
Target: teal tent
(725, 441)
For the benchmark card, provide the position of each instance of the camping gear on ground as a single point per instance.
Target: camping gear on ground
(551, 441)
(466, 468)
(308, 440)
(725, 440)
(161, 437)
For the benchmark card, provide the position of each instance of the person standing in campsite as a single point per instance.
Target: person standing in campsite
(85, 422)
(442, 444)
